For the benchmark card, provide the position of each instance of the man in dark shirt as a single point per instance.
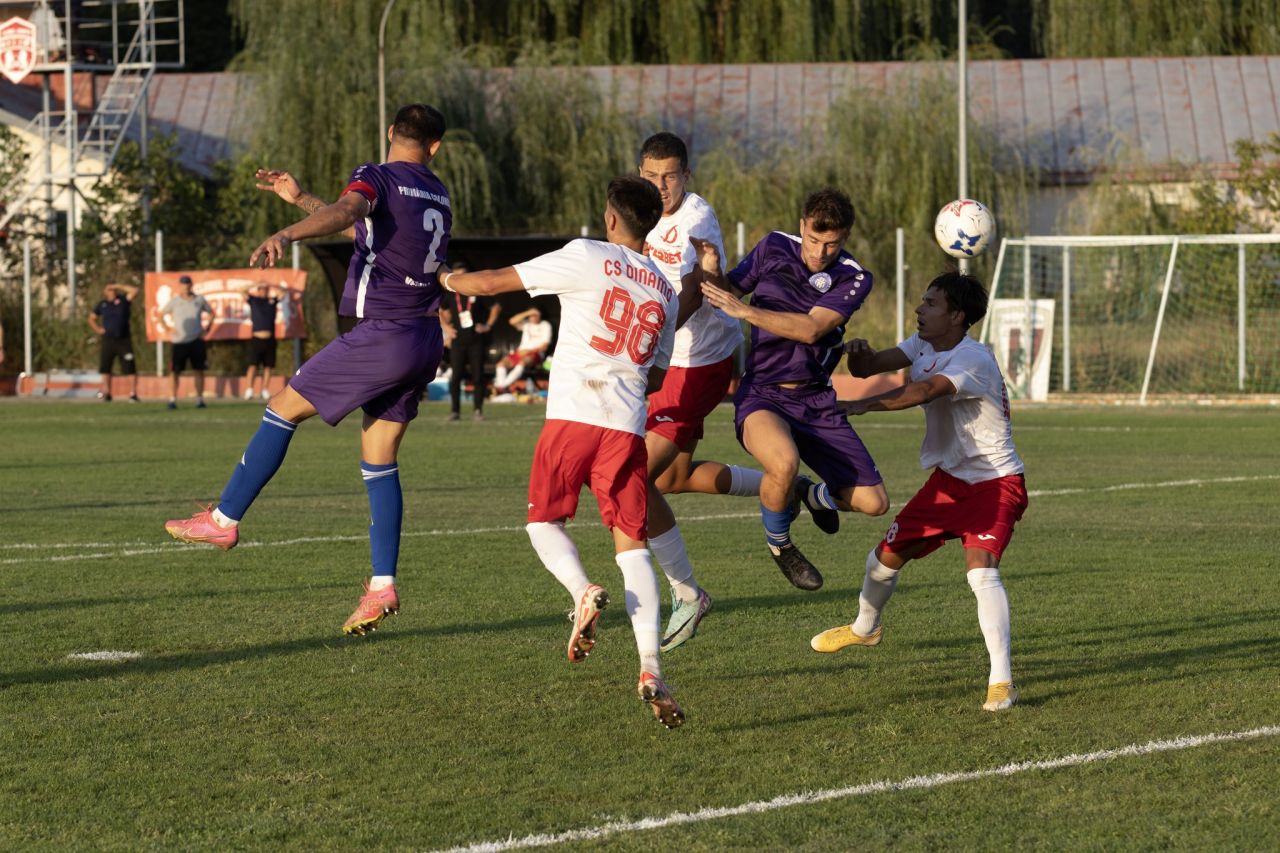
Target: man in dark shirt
(110, 321)
(264, 300)
(469, 318)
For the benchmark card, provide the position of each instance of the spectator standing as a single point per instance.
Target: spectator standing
(469, 320)
(188, 310)
(264, 301)
(110, 322)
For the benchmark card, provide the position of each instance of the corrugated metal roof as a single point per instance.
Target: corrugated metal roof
(1063, 115)
(1066, 116)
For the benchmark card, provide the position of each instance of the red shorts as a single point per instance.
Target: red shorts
(980, 515)
(687, 396)
(614, 463)
(529, 358)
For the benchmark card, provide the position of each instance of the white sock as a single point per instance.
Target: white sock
(516, 373)
(668, 549)
(820, 496)
(744, 482)
(222, 520)
(500, 377)
(559, 555)
(877, 585)
(381, 582)
(642, 606)
(993, 618)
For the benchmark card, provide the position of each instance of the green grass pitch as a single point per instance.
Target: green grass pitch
(1143, 583)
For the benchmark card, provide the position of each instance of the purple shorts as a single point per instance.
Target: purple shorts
(381, 366)
(824, 439)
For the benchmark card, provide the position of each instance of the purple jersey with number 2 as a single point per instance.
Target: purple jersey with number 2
(776, 276)
(399, 245)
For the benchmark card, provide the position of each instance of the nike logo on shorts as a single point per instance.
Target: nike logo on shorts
(983, 536)
(664, 419)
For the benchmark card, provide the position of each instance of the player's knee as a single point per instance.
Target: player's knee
(871, 502)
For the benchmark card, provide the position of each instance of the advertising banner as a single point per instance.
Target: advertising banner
(227, 293)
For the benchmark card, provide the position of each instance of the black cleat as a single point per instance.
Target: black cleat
(796, 566)
(826, 520)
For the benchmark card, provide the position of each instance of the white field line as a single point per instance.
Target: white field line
(104, 655)
(176, 547)
(913, 783)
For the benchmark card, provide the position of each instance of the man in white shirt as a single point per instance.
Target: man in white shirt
(535, 337)
(702, 365)
(976, 492)
(617, 324)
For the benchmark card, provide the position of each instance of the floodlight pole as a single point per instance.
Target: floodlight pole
(962, 97)
(382, 81)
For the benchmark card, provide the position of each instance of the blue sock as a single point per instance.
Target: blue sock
(820, 496)
(386, 508)
(777, 526)
(257, 466)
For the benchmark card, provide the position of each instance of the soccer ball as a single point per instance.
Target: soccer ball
(964, 228)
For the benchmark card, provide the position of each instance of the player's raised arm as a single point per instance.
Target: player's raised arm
(331, 218)
(864, 361)
(286, 186)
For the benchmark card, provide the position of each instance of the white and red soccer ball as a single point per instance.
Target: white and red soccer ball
(964, 227)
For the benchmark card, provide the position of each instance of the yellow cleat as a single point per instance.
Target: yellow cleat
(836, 639)
(1001, 696)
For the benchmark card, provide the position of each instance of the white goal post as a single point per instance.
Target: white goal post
(1138, 315)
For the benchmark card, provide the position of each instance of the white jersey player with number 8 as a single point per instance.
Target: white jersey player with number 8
(617, 328)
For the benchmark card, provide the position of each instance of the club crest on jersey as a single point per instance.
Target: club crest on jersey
(821, 281)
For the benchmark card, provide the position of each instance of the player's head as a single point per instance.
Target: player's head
(634, 206)
(952, 303)
(535, 316)
(418, 128)
(664, 162)
(825, 221)
(187, 284)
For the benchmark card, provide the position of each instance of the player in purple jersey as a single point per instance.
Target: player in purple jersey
(402, 215)
(803, 291)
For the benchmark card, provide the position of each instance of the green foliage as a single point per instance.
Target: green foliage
(1170, 28)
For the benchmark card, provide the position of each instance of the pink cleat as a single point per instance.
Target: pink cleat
(585, 616)
(202, 528)
(654, 691)
(374, 605)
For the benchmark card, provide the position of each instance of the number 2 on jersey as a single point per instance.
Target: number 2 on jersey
(433, 224)
(636, 329)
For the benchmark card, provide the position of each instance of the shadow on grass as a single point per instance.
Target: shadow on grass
(176, 595)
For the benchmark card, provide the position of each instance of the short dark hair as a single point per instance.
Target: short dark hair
(664, 146)
(828, 210)
(422, 123)
(964, 293)
(637, 202)
(185, 279)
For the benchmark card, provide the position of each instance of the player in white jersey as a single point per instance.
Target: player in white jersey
(976, 492)
(617, 325)
(697, 381)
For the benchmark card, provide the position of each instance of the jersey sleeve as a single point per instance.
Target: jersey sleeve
(562, 271)
(910, 347)
(100, 307)
(366, 181)
(746, 275)
(168, 306)
(847, 294)
(667, 338)
(706, 227)
(967, 371)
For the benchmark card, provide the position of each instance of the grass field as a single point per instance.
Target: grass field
(1142, 582)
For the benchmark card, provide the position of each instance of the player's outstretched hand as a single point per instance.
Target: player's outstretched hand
(279, 182)
(271, 250)
(708, 255)
(724, 300)
(861, 355)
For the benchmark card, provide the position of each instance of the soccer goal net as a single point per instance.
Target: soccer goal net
(1187, 314)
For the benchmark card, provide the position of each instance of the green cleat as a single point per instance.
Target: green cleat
(685, 618)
